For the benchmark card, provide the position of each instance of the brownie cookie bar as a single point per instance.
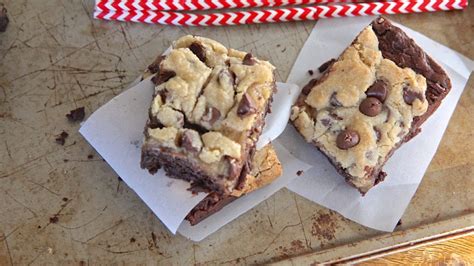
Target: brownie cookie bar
(265, 168)
(207, 113)
(369, 101)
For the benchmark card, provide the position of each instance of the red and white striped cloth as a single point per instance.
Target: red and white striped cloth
(114, 10)
(189, 5)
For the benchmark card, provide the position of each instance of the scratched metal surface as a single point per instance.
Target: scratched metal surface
(54, 58)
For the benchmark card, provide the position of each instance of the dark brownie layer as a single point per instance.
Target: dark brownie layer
(176, 165)
(403, 51)
(208, 206)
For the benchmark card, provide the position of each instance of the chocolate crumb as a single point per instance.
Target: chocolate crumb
(39, 226)
(119, 179)
(246, 106)
(311, 72)
(3, 19)
(299, 172)
(90, 156)
(132, 240)
(163, 76)
(76, 115)
(248, 60)
(399, 222)
(61, 138)
(65, 199)
(53, 219)
(65, 160)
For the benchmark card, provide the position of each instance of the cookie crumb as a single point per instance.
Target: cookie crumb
(65, 199)
(299, 172)
(132, 240)
(399, 222)
(310, 72)
(76, 115)
(65, 160)
(61, 138)
(90, 156)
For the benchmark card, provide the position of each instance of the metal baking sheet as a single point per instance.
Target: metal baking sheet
(63, 204)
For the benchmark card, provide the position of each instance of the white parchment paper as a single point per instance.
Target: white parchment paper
(115, 130)
(382, 206)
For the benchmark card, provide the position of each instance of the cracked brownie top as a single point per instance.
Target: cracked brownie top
(208, 109)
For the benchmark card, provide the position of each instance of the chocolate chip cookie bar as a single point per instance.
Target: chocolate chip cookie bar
(265, 168)
(369, 101)
(207, 113)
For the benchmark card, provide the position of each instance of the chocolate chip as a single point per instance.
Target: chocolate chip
(187, 142)
(198, 50)
(334, 101)
(410, 96)
(347, 139)
(326, 65)
(246, 106)
(61, 138)
(211, 115)
(3, 19)
(248, 60)
(155, 66)
(163, 76)
(326, 122)
(370, 106)
(378, 90)
(76, 115)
